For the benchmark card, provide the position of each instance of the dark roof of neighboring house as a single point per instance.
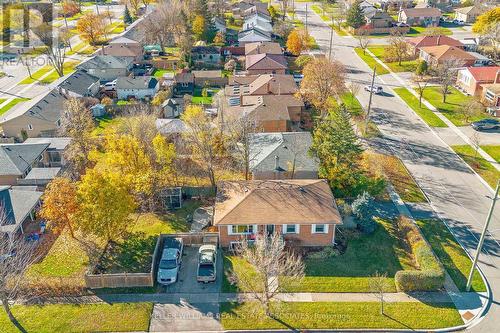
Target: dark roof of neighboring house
(106, 62)
(304, 201)
(205, 50)
(242, 34)
(421, 12)
(15, 158)
(265, 61)
(20, 203)
(138, 82)
(184, 78)
(287, 146)
(433, 41)
(79, 82)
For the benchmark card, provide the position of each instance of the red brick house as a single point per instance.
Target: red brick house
(435, 55)
(303, 211)
(471, 79)
(423, 41)
(265, 64)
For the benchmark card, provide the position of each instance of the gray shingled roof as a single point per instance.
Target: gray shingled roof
(14, 158)
(106, 62)
(22, 201)
(43, 173)
(79, 82)
(56, 143)
(138, 82)
(264, 147)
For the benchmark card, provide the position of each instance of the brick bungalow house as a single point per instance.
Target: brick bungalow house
(124, 47)
(303, 211)
(471, 79)
(265, 64)
(435, 55)
(426, 17)
(424, 41)
(468, 14)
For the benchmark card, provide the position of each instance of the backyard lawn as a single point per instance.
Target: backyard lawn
(119, 317)
(406, 66)
(450, 109)
(493, 151)
(11, 104)
(158, 73)
(484, 168)
(105, 123)
(454, 259)
(340, 315)
(206, 100)
(424, 112)
(368, 59)
(351, 271)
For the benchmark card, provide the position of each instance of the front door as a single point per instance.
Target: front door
(270, 229)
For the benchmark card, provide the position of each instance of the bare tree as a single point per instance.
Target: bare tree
(16, 255)
(476, 142)
(446, 75)
(363, 37)
(284, 8)
(378, 284)
(239, 133)
(54, 49)
(165, 26)
(470, 109)
(420, 85)
(276, 269)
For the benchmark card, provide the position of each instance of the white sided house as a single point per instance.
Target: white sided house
(139, 87)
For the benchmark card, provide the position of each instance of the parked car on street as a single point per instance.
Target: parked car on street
(207, 262)
(486, 124)
(375, 89)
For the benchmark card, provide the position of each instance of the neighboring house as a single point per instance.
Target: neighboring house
(420, 16)
(471, 79)
(303, 211)
(435, 55)
(107, 68)
(271, 113)
(423, 41)
(18, 159)
(491, 98)
(184, 83)
(367, 8)
(213, 78)
(253, 35)
(265, 84)
(257, 8)
(239, 8)
(219, 24)
(282, 156)
(258, 21)
(39, 117)
(124, 47)
(153, 50)
(206, 55)
(378, 19)
(470, 44)
(263, 47)
(81, 84)
(169, 127)
(265, 64)
(18, 205)
(170, 108)
(468, 14)
(139, 87)
(54, 155)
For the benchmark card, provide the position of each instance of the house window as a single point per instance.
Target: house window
(30, 127)
(290, 228)
(241, 229)
(489, 95)
(319, 228)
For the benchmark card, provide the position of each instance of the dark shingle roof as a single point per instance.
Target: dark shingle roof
(106, 62)
(138, 82)
(205, 50)
(14, 158)
(79, 82)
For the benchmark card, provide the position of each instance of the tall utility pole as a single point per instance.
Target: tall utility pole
(331, 45)
(306, 18)
(370, 100)
(481, 240)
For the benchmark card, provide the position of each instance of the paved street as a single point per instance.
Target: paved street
(457, 195)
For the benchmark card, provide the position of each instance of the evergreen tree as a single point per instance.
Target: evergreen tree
(337, 147)
(362, 208)
(127, 18)
(355, 17)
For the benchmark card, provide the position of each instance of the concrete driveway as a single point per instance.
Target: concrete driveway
(187, 276)
(183, 316)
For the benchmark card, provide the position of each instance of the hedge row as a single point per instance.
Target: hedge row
(431, 274)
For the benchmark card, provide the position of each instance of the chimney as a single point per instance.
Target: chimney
(277, 169)
(276, 162)
(438, 40)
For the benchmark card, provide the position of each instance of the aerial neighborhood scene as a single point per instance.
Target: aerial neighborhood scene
(249, 165)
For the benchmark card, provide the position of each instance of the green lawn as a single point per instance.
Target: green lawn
(368, 59)
(37, 75)
(450, 253)
(352, 104)
(68, 67)
(341, 32)
(118, 317)
(406, 66)
(81, 48)
(381, 251)
(105, 123)
(493, 151)
(414, 32)
(484, 168)
(199, 99)
(158, 73)
(424, 112)
(11, 104)
(453, 102)
(116, 28)
(340, 315)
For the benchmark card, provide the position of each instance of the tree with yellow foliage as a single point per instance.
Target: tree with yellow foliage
(297, 41)
(59, 204)
(199, 26)
(92, 28)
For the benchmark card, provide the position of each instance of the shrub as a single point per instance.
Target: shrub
(430, 276)
(362, 209)
(303, 60)
(325, 253)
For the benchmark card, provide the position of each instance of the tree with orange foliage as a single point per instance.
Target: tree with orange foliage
(91, 27)
(59, 204)
(297, 41)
